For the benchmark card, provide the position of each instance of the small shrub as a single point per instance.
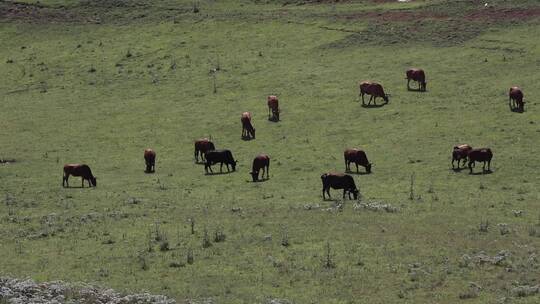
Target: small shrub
(164, 245)
(219, 236)
(206, 240)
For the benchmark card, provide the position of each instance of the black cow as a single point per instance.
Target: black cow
(483, 155)
(339, 181)
(219, 156)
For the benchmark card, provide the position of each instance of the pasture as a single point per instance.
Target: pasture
(97, 82)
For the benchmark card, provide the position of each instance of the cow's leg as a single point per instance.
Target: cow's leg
(268, 172)
(344, 192)
(221, 167)
(356, 167)
(408, 81)
(489, 165)
(82, 182)
(196, 155)
(323, 189)
(471, 162)
(65, 179)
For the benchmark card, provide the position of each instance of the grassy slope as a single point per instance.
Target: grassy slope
(107, 117)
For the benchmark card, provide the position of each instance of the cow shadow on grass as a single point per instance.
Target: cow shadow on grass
(481, 172)
(218, 173)
(260, 180)
(459, 169)
(358, 173)
(416, 90)
(247, 138)
(373, 106)
(516, 109)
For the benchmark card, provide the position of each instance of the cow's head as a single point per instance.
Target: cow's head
(93, 180)
(386, 96)
(368, 168)
(254, 175)
(233, 165)
(355, 193)
(424, 85)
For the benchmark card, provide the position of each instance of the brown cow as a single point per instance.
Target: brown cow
(202, 146)
(483, 155)
(248, 132)
(515, 98)
(150, 160)
(273, 107)
(460, 152)
(358, 157)
(374, 89)
(417, 75)
(78, 170)
(261, 161)
(339, 181)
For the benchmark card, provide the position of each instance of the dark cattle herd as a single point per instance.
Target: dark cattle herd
(206, 151)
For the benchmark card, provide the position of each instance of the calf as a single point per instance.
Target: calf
(515, 98)
(261, 161)
(339, 181)
(417, 75)
(219, 156)
(273, 107)
(483, 155)
(248, 132)
(358, 157)
(150, 160)
(202, 146)
(460, 152)
(374, 89)
(78, 170)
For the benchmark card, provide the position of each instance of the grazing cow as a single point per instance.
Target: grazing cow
(261, 161)
(374, 89)
(417, 75)
(202, 146)
(247, 128)
(150, 159)
(273, 107)
(219, 156)
(358, 157)
(78, 170)
(483, 155)
(460, 152)
(515, 97)
(339, 181)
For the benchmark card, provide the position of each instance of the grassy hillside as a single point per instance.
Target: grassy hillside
(96, 82)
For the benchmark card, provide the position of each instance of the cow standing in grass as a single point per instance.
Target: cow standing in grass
(483, 155)
(219, 156)
(202, 146)
(358, 157)
(78, 170)
(248, 132)
(273, 108)
(460, 152)
(374, 90)
(339, 181)
(515, 98)
(417, 75)
(261, 161)
(150, 160)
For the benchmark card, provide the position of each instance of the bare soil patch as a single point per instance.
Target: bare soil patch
(494, 14)
(35, 13)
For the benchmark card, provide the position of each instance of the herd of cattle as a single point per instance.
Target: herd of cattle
(209, 155)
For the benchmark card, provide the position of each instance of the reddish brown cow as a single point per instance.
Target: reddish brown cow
(248, 131)
(339, 181)
(273, 107)
(515, 98)
(78, 170)
(374, 89)
(202, 146)
(483, 155)
(150, 160)
(460, 152)
(417, 75)
(261, 161)
(358, 157)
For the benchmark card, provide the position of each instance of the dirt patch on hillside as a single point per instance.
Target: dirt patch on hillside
(388, 16)
(493, 14)
(35, 13)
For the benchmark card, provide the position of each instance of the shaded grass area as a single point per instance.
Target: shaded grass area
(101, 93)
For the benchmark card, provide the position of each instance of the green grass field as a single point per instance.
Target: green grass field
(97, 82)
